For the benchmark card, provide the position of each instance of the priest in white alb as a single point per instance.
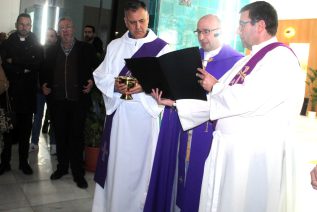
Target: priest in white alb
(253, 107)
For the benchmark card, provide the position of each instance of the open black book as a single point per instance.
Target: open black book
(173, 73)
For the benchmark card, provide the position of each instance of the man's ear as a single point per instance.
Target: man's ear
(125, 21)
(261, 25)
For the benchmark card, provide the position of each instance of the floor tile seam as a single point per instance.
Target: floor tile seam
(62, 201)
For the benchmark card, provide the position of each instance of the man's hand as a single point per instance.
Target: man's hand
(135, 89)
(156, 94)
(88, 87)
(46, 90)
(120, 87)
(206, 80)
(313, 175)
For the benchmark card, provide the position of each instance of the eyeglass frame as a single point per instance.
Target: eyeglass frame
(242, 23)
(205, 31)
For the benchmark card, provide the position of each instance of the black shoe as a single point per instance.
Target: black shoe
(4, 168)
(58, 174)
(81, 182)
(26, 169)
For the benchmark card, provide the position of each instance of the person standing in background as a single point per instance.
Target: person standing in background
(22, 57)
(91, 37)
(51, 39)
(67, 82)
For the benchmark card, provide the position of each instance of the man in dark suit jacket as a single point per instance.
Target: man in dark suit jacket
(22, 56)
(67, 81)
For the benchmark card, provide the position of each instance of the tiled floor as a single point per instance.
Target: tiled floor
(37, 193)
(304, 152)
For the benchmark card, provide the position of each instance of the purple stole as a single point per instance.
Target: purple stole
(189, 184)
(249, 66)
(159, 197)
(150, 49)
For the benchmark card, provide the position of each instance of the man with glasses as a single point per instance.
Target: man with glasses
(131, 129)
(255, 105)
(22, 57)
(67, 82)
(193, 145)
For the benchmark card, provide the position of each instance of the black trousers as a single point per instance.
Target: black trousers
(21, 135)
(68, 121)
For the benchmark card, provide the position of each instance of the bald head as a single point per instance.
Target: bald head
(208, 30)
(212, 19)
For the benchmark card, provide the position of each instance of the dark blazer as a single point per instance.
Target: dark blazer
(86, 63)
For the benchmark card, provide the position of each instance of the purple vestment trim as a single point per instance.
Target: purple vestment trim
(160, 191)
(224, 60)
(102, 162)
(249, 66)
(150, 49)
(159, 197)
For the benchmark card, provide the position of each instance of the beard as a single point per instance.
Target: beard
(87, 39)
(23, 33)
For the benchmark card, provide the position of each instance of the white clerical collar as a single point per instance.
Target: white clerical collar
(212, 53)
(256, 48)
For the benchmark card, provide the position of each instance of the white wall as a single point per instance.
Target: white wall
(9, 13)
(294, 9)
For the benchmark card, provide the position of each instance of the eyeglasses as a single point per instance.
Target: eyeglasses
(67, 27)
(204, 31)
(242, 23)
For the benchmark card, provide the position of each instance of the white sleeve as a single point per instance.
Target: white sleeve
(192, 112)
(104, 78)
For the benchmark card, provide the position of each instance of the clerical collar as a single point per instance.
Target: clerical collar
(258, 47)
(130, 34)
(212, 53)
(22, 38)
(209, 55)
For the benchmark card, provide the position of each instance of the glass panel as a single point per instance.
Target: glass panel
(177, 20)
(83, 12)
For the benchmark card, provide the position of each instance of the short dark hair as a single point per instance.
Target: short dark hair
(261, 10)
(92, 27)
(23, 15)
(134, 5)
